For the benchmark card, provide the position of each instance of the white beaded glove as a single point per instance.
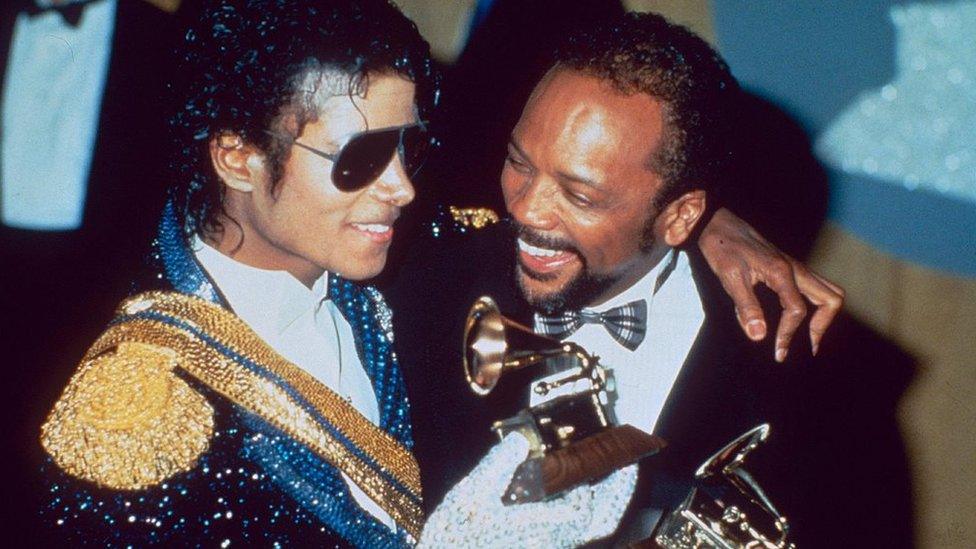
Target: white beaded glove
(472, 513)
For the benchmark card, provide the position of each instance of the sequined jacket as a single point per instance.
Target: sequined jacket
(249, 479)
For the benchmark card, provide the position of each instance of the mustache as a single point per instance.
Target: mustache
(540, 239)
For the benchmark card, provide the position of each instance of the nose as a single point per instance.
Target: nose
(532, 204)
(393, 185)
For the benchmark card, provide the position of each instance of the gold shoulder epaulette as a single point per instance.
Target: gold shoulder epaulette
(127, 421)
(476, 218)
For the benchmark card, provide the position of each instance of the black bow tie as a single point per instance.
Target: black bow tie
(627, 324)
(71, 12)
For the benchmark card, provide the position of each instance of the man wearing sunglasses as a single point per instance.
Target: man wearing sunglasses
(248, 390)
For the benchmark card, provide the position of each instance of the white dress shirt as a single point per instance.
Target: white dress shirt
(51, 105)
(304, 327)
(645, 376)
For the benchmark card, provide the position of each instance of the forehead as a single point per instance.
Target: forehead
(578, 114)
(382, 100)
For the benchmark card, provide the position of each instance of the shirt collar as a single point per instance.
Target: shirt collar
(269, 301)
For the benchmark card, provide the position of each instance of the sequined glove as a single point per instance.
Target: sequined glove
(472, 513)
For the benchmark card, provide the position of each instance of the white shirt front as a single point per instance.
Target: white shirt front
(52, 99)
(304, 327)
(645, 376)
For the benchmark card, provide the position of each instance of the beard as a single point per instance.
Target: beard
(581, 290)
(584, 288)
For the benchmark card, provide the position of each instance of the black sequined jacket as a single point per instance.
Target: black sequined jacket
(252, 483)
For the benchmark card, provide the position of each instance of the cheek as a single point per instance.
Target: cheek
(606, 241)
(510, 182)
(312, 213)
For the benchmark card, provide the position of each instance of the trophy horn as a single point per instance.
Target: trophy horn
(495, 344)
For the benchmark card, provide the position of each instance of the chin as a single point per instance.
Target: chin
(361, 270)
(551, 296)
(543, 296)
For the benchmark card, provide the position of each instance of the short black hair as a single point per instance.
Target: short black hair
(245, 62)
(644, 53)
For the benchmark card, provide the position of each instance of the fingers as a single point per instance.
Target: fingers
(828, 298)
(781, 281)
(495, 470)
(747, 309)
(511, 451)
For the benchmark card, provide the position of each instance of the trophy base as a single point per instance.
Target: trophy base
(586, 460)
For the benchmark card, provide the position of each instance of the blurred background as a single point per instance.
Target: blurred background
(858, 155)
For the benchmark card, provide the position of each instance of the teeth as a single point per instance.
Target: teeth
(372, 227)
(537, 251)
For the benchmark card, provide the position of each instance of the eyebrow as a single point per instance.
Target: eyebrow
(565, 176)
(577, 179)
(512, 143)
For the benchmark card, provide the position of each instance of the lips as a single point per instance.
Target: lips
(376, 232)
(543, 260)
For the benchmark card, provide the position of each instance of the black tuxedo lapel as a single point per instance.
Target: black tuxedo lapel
(727, 385)
(715, 395)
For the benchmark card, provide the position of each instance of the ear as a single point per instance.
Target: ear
(682, 215)
(238, 164)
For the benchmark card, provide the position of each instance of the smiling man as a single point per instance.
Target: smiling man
(610, 172)
(585, 194)
(248, 392)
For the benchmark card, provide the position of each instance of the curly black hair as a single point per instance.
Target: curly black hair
(645, 53)
(247, 62)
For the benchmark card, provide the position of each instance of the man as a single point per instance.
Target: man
(256, 225)
(253, 395)
(610, 171)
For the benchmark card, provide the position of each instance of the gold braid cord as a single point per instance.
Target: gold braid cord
(477, 218)
(127, 421)
(160, 409)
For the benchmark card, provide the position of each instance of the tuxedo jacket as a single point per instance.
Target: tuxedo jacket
(725, 387)
(127, 176)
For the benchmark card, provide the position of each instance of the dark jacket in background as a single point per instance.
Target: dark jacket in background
(60, 287)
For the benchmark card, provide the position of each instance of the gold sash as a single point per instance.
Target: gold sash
(127, 420)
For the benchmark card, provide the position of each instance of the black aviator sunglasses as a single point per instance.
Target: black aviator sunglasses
(364, 157)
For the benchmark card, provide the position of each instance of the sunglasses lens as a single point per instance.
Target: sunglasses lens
(414, 146)
(363, 159)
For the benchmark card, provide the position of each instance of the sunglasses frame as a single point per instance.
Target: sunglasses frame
(334, 157)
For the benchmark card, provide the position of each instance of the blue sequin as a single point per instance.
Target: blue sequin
(255, 485)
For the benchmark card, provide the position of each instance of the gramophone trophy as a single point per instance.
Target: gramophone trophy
(570, 426)
(727, 509)
(574, 437)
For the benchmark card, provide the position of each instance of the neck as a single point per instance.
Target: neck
(645, 264)
(236, 242)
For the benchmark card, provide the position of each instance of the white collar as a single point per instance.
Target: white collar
(642, 289)
(269, 301)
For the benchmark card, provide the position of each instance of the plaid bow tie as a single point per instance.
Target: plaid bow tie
(627, 324)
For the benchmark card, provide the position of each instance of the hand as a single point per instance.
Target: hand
(473, 515)
(742, 258)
